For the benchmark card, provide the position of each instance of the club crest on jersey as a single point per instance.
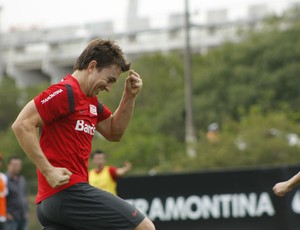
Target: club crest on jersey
(83, 127)
(93, 110)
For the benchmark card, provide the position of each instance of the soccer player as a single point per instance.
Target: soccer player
(103, 176)
(68, 114)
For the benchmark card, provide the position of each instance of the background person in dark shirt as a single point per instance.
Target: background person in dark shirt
(16, 201)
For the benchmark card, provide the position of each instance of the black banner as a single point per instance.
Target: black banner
(227, 200)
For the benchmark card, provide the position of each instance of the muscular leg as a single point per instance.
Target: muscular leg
(146, 224)
(84, 207)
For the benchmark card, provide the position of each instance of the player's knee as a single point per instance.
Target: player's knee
(146, 224)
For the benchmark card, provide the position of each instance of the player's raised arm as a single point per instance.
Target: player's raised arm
(115, 126)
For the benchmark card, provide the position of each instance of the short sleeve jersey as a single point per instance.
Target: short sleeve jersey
(70, 119)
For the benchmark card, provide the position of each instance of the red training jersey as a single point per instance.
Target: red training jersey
(70, 119)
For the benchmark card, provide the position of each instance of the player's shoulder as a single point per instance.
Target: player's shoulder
(70, 86)
(68, 81)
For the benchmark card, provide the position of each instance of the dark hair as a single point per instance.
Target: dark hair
(105, 52)
(98, 151)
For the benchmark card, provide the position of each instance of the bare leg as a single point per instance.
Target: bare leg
(146, 224)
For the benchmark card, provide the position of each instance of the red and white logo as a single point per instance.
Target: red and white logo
(93, 110)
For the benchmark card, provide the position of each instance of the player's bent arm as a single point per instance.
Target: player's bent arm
(294, 181)
(24, 129)
(114, 127)
(284, 187)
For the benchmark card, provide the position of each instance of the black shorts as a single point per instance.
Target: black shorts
(84, 207)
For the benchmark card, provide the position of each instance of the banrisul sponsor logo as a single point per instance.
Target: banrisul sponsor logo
(51, 96)
(84, 127)
(206, 207)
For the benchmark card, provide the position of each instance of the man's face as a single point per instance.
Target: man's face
(15, 166)
(102, 80)
(99, 160)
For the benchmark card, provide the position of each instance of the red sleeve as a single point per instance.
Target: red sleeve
(103, 112)
(52, 103)
(113, 172)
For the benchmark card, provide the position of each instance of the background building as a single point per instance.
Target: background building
(39, 55)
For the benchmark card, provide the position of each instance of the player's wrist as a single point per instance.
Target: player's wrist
(47, 170)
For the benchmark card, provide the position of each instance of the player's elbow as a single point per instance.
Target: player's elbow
(112, 134)
(21, 127)
(16, 127)
(115, 138)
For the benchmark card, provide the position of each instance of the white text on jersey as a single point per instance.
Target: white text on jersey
(51, 96)
(81, 126)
